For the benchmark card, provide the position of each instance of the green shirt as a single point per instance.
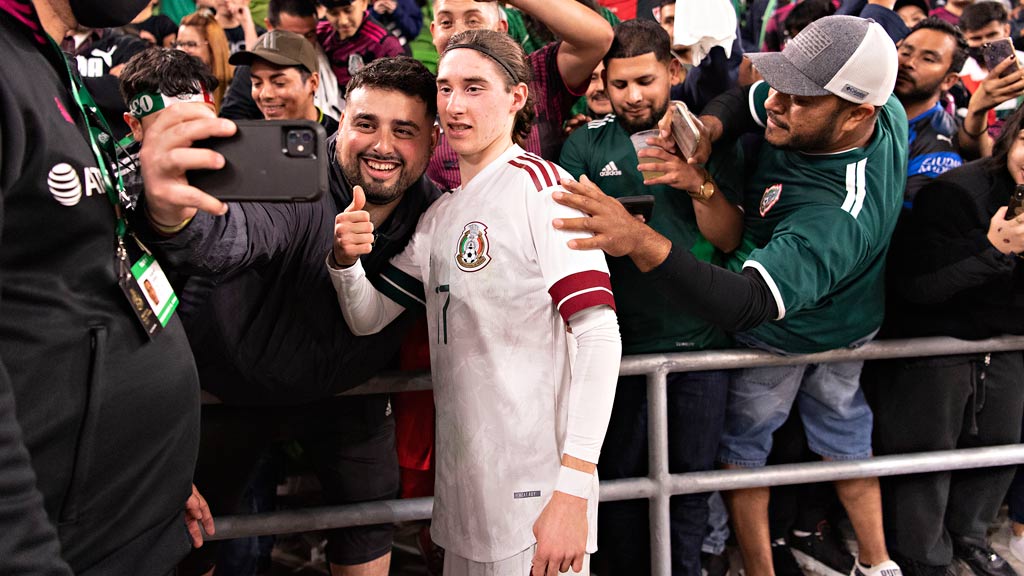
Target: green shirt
(817, 228)
(648, 321)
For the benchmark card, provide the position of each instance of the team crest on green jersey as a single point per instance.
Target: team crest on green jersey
(770, 197)
(472, 253)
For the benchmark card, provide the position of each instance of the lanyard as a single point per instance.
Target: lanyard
(100, 142)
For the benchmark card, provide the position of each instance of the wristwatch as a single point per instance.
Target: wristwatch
(707, 188)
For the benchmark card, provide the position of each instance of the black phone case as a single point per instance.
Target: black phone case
(258, 168)
(642, 205)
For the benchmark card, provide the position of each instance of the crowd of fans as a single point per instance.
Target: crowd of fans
(852, 182)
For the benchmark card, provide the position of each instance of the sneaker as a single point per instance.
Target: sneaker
(821, 552)
(914, 568)
(714, 564)
(887, 568)
(783, 560)
(982, 560)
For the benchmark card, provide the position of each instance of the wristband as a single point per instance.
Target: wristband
(169, 230)
(575, 482)
(980, 132)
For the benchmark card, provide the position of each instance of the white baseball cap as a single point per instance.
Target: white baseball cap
(850, 57)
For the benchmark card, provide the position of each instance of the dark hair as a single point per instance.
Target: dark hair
(638, 37)
(806, 12)
(979, 14)
(511, 61)
(1001, 149)
(666, 3)
(936, 23)
(400, 74)
(300, 8)
(165, 70)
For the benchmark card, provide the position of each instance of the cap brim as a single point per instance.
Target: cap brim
(245, 58)
(783, 76)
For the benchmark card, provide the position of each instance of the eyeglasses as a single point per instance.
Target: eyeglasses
(188, 45)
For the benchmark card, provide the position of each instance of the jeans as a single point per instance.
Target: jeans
(696, 411)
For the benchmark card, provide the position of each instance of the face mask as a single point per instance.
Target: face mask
(106, 13)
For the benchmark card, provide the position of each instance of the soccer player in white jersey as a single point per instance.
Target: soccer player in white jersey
(519, 422)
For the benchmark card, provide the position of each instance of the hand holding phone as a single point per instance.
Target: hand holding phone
(998, 51)
(267, 161)
(685, 130)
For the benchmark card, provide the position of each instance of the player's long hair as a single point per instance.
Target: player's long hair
(511, 58)
(220, 50)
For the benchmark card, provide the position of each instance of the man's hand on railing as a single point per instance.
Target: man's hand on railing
(198, 512)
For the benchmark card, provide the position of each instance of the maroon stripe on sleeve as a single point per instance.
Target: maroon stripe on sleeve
(541, 167)
(531, 170)
(580, 291)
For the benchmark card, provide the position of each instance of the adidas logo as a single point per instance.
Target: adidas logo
(610, 169)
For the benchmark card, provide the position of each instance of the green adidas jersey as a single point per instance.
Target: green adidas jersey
(817, 229)
(648, 321)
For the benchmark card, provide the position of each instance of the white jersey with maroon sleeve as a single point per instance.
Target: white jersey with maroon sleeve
(499, 283)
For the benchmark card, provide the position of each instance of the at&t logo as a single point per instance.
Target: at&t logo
(66, 186)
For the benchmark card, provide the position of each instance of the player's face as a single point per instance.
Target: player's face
(347, 19)
(454, 16)
(1015, 159)
(597, 98)
(384, 142)
(804, 123)
(925, 57)
(280, 92)
(638, 88)
(477, 110)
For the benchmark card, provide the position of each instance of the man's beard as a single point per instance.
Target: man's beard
(918, 93)
(815, 142)
(632, 127)
(377, 192)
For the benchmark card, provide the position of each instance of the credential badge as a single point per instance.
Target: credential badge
(771, 196)
(472, 253)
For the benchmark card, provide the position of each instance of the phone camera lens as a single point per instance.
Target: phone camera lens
(307, 137)
(293, 137)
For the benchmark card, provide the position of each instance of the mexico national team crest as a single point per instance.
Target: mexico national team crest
(472, 253)
(771, 196)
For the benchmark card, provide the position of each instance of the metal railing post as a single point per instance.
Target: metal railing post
(657, 448)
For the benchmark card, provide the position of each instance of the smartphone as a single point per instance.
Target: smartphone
(267, 161)
(996, 52)
(1016, 206)
(684, 129)
(642, 205)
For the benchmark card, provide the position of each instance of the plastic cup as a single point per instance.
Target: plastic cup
(639, 141)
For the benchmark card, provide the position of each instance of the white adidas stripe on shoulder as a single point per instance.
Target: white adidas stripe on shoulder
(856, 187)
(600, 121)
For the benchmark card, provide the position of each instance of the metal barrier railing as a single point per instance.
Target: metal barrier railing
(659, 485)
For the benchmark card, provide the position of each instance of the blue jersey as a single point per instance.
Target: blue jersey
(932, 151)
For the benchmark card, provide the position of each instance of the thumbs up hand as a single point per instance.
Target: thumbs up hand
(353, 231)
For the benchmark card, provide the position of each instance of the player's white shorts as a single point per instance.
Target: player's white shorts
(518, 565)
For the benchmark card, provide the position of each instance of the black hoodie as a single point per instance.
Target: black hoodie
(269, 329)
(110, 418)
